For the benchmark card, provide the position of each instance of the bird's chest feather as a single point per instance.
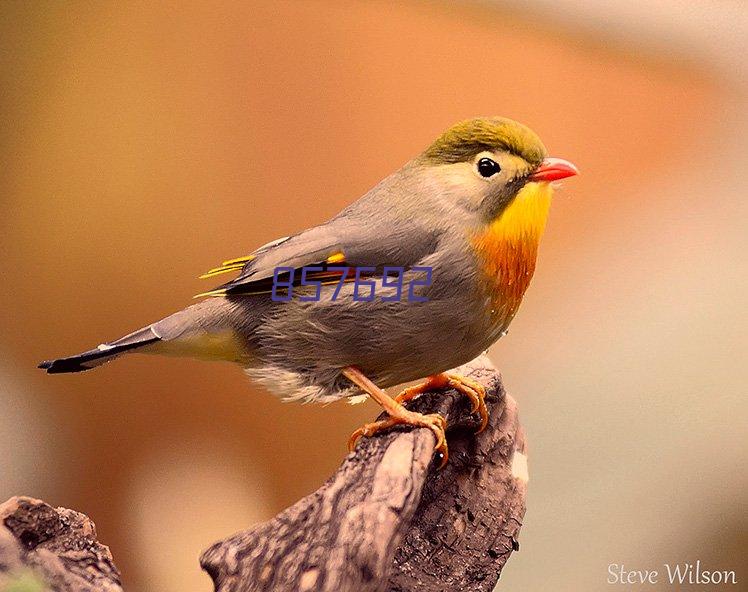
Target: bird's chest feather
(507, 250)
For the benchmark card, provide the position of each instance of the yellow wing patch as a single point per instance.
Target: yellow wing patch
(338, 257)
(242, 260)
(239, 263)
(227, 266)
(221, 292)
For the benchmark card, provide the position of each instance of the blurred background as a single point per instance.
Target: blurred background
(141, 144)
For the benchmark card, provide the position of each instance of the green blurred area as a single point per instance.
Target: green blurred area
(25, 582)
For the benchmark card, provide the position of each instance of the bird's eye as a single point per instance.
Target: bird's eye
(487, 167)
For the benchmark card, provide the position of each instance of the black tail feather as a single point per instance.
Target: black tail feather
(104, 353)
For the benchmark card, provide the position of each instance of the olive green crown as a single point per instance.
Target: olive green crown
(463, 141)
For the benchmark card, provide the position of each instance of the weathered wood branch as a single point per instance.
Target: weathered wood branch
(389, 520)
(386, 520)
(44, 548)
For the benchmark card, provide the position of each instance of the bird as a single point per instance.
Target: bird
(422, 273)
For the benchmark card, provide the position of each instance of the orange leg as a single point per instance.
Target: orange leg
(472, 389)
(398, 415)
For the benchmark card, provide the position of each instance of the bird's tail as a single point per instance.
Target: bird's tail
(102, 354)
(203, 330)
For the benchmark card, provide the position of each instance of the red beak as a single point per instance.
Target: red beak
(553, 169)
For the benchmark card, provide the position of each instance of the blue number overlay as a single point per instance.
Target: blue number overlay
(304, 282)
(364, 285)
(398, 283)
(286, 284)
(425, 282)
(343, 271)
(358, 282)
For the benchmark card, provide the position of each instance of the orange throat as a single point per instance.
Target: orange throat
(507, 249)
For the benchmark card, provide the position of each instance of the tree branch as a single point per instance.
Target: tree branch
(389, 520)
(43, 548)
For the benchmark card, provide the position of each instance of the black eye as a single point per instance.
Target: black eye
(487, 167)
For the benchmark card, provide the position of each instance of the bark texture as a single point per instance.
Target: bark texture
(44, 548)
(388, 519)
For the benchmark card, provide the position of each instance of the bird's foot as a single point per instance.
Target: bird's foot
(472, 389)
(435, 422)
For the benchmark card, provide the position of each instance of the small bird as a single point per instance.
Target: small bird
(456, 229)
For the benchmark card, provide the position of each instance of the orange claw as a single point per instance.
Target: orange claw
(476, 392)
(437, 381)
(435, 422)
(398, 415)
(472, 389)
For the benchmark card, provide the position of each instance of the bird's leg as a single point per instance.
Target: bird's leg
(398, 415)
(472, 389)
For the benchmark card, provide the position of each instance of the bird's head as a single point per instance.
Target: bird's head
(486, 162)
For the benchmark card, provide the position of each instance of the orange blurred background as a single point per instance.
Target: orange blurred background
(143, 144)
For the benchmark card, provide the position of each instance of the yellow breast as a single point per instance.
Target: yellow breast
(507, 248)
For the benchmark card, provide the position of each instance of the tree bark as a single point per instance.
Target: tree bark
(388, 519)
(43, 548)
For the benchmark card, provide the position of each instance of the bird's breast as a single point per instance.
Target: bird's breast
(507, 249)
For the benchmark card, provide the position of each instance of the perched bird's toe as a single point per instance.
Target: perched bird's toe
(472, 389)
(371, 429)
(438, 425)
(476, 392)
(435, 422)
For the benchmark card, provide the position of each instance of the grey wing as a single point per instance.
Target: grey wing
(342, 242)
(395, 224)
